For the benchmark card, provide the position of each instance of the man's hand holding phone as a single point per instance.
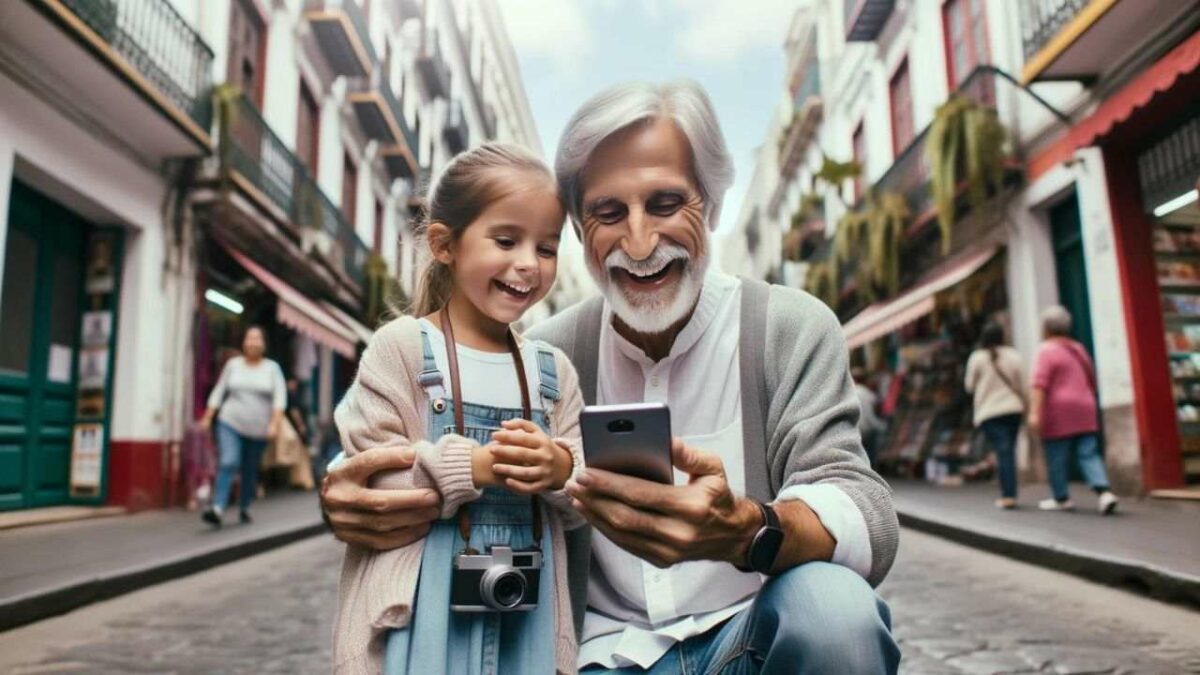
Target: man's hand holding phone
(667, 524)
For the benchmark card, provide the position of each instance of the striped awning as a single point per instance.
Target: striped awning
(300, 313)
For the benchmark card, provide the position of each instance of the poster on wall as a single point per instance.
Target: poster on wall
(101, 278)
(93, 369)
(97, 328)
(87, 444)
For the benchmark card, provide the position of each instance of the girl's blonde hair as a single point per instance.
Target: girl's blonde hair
(470, 182)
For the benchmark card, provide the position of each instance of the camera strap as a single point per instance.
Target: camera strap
(464, 516)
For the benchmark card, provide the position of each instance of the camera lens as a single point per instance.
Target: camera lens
(502, 587)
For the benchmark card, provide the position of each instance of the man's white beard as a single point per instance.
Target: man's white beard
(656, 311)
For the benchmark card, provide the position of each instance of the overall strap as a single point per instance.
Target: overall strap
(752, 348)
(547, 374)
(585, 348)
(430, 378)
(464, 517)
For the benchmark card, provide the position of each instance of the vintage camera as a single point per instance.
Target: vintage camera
(501, 580)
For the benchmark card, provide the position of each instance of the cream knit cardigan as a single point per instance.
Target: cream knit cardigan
(387, 407)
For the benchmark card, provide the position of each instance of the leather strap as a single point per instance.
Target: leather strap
(464, 517)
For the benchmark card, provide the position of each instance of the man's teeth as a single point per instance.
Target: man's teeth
(647, 275)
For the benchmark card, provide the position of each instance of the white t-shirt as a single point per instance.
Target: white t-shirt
(488, 378)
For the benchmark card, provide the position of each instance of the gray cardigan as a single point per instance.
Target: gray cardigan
(799, 416)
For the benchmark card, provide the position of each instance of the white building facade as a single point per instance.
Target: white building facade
(173, 171)
(865, 82)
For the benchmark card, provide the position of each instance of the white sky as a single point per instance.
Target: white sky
(571, 49)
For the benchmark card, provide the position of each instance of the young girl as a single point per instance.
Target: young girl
(493, 232)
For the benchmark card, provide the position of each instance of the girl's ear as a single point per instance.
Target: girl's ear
(439, 237)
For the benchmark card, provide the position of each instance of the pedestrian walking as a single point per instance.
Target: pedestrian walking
(870, 425)
(248, 404)
(995, 380)
(1063, 411)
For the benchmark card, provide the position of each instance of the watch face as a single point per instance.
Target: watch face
(764, 549)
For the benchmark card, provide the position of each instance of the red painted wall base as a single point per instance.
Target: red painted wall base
(138, 474)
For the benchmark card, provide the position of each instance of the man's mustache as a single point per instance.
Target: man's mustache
(662, 255)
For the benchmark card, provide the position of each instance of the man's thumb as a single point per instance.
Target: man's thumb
(694, 462)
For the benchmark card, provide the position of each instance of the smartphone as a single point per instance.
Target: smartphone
(633, 439)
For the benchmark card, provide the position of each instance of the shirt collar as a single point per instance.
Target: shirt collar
(716, 288)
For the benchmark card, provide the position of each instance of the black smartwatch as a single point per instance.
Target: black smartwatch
(763, 549)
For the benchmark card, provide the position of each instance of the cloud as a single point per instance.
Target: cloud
(722, 31)
(556, 31)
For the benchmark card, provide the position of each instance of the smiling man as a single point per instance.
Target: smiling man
(762, 556)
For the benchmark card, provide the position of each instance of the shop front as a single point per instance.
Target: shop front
(914, 350)
(1148, 132)
(57, 322)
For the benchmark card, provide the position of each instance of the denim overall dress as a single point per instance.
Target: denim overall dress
(438, 640)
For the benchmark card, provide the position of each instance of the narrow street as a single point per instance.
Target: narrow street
(956, 610)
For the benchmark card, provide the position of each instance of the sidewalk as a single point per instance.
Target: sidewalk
(1148, 546)
(51, 569)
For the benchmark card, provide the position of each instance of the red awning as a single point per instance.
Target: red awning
(1182, 62)
(301, 313)
(882, 318)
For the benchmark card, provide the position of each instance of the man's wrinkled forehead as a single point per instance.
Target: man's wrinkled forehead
(655, 146)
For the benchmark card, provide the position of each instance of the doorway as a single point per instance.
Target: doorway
(39, 339)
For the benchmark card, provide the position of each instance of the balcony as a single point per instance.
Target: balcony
(808, 109)
(432, 66)
(490, 122)
(91, 54)
(258, 164)
(341, 31)
(865, 19)
(457, 136)
(1082, 40)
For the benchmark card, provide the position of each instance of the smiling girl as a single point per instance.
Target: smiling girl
(492, 421)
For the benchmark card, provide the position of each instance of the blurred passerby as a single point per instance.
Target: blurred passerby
(297, 411)
(1063, 411)
(870, 426)
(995, 380)
(248, 404)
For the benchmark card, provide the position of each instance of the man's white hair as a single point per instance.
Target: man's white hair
(618, 107)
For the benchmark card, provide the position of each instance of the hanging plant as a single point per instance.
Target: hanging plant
(822, 281)
(966, 145)
(888, 218)
(835, 173)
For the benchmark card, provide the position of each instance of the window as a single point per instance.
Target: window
(308, 129)
(349, 187)
(965, 26)
(900, 95)
(377, 240)
(247, 50)
(860, 156)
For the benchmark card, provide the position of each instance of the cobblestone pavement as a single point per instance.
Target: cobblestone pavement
(955, 610)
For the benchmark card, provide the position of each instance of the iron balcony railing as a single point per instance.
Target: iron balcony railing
(864, 19)
(409, 137)
(341, 30)
(250, 148)
(433, 68)
(1041, 20)
(160, 45)
(456, 133)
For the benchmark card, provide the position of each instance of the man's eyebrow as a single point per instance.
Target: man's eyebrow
(597, 201)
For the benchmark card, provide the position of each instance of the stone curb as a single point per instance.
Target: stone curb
(1131, 575)
(47, 602)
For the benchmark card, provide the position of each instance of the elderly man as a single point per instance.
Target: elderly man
(761, 557)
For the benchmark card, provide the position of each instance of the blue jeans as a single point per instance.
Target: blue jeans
(814, 619)
(1091, 464)
(1001, 433)
(236, 452)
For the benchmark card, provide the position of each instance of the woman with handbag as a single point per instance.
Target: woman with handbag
(1063, 410)
(994, 379)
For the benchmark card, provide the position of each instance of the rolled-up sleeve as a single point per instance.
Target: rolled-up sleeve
(841, 518)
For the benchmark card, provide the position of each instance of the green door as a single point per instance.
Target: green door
(39, 319)
(1071, 267)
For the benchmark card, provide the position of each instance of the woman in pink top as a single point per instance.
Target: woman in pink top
(1063, 411)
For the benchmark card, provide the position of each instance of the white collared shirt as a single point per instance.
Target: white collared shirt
(636, 611)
